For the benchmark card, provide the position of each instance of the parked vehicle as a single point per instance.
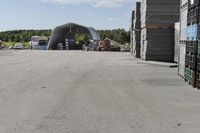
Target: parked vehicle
(18, 46)
(127, 48)
(1, 44)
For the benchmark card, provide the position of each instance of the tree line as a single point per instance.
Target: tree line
(22, 35)
(118, 35)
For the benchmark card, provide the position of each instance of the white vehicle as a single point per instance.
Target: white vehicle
(18, 46)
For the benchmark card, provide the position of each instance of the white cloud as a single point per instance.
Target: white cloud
(63, 2)
(93, 3)
(112, 19)
(107, 4)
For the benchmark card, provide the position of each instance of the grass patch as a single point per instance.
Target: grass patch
(8, 44)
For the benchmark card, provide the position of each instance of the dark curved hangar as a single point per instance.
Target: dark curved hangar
(68, 36)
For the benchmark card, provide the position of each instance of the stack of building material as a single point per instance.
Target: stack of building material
(137, 30)
(194, 21)
(183, 37)
(131, 31)
(157, 23)
(176, 40)
(191, 69)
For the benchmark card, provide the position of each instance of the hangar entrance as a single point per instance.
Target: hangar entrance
(82, 40)
(72, 37)
(78, 42)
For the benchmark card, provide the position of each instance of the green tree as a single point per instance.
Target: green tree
(119, 35)
(11, 38)
(5, 38)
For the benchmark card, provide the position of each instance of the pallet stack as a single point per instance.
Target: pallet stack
(137, 30)
(190, 62)
(195, 11)
(176, 40)
(157, 23)
(183, 37)
(191, 67)
(132, 31)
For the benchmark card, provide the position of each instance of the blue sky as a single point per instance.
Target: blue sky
(47, 14)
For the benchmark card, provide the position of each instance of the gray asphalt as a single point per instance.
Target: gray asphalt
(92, 92)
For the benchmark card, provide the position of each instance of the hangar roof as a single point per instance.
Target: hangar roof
(94, 34)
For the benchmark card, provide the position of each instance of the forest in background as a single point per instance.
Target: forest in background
(119, 35)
